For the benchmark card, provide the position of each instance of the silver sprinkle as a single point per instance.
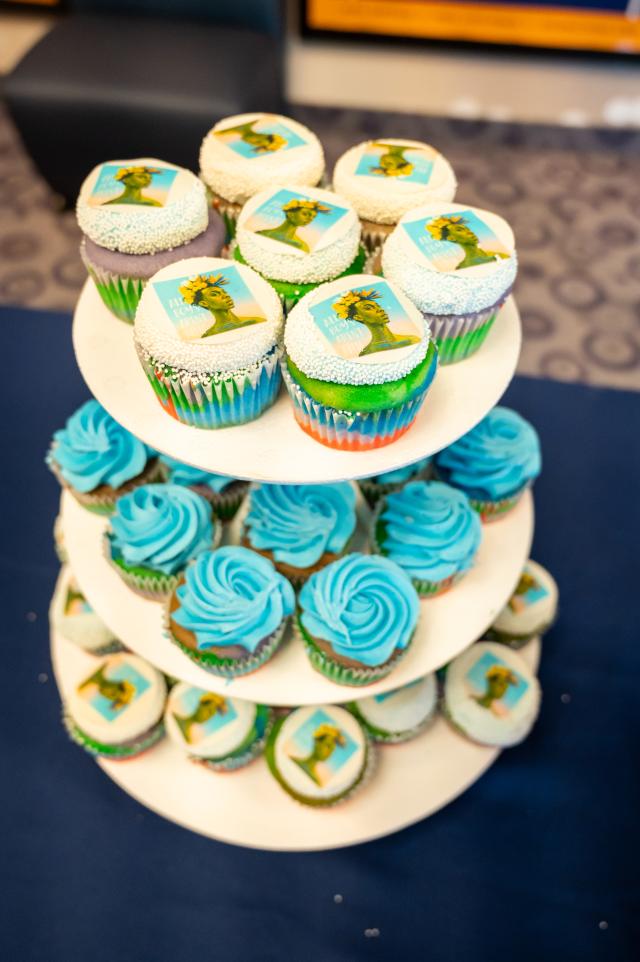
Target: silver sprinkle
(31, 616)
(565, 698)
(43, 677)
(603, 925)
(337, 899)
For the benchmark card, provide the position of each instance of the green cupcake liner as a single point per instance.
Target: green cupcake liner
(154, 585)
(491, 511)
(230, 667)
(382, 737)
(457, 347)
(252, 747)
(340, 674)
(121, 295)
(115, 753)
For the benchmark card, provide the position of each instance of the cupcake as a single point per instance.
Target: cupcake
(73, 618)
(97, 460)
(494, 463)
(206, 332)
(458, 265)
(531, 609)
(154, 532)
(319, 754)
(138, 216)
(116, 711)
(357, 618)
(399, 715)
(219, 732)
(301, 528)
(431, 531)
(491, 695)
(230, 610)
(223, 493)
(385, 179)
(376, 487)
(359, 361)
(298, 238)
(243, 155)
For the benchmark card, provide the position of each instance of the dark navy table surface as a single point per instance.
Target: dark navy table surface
(537, 861)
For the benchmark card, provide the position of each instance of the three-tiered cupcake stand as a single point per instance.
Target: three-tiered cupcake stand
(248, 807)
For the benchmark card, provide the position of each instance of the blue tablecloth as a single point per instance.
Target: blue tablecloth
(538, 861)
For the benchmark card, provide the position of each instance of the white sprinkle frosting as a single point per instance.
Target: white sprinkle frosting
(238, 178)
(138, 229)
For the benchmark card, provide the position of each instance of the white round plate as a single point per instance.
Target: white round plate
(249, 808)
(447, 626)
(274, 448)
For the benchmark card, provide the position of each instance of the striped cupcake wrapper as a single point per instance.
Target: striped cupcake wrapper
(114, 753)
(120, 295)
(233, 762)
(231, 667)
(209, 403)
(490, 511)
(351, 430)
(342, 675)
(458, 337)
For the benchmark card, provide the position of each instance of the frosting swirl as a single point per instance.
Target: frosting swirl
(161, 526)
(430, 530)
(300, 522)
(93, 449)
(495, 459)
(233, 597)
(189, 476)
(364, 606)
(398, 475)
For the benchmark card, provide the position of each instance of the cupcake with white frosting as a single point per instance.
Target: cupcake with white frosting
(206, 332)
(385, 178)
(298, 238)
(399, 715)
(531, 609)
(74, 619)
(244, 154)
(457, 264)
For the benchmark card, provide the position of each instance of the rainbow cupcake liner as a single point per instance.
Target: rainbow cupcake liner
(119, 294)
(351, 430)
(264, 723)
(215, 401)
(459, 337)
(381, 737)
(114, 753)
(231, 667)
(490, 511)
(340, 674)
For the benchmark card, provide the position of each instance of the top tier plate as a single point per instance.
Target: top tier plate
(274, 448)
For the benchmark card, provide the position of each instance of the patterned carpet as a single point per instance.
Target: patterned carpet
(572, 197)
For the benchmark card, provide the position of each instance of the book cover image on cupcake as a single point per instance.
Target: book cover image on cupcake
(259, 138)
(75, 602)
(320, 748)
(111, 690)
(494, 685)
(402, 162)
(458, 241)
(201, 714)
(216, 303)
(140, 185)
(527, 593)
(365, 324)
(297, 220)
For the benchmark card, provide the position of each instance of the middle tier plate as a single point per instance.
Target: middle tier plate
(274, 448)
(448, 624)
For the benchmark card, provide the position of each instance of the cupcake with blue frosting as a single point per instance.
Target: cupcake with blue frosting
(359, 360)
(98, 460)
(494, 463)
(301, 528)
(376, 487)
(224, 493)
(155, 532)
(431, 531)
(357, 618)
(457, 264)
(229, 611)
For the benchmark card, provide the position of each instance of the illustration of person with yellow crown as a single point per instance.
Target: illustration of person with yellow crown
(361, 306)
(452, 228)
(259, 142)
(526, 583)
(326, 739)
(208, 705)
(134, 180)
(297, 213)
(392, 163)
(209, 293)
(498, 678)
(119, 693)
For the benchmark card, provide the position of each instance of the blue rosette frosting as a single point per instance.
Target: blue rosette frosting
(160, 527)
(186, 474)
(232, 597)
(430, 530)
(93, 449)
(364, 606)
(299, 523)
(494, 460)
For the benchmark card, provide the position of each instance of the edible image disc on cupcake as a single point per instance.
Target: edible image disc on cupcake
(365, 323)
(137, 183)
(75, 602)
(320, 747)
(206, 724)
(210, 304)
(262, 136)
(299, 221)
(460, 239)
(494, 685)
(529, 591)
(397, 160)
(112, 689)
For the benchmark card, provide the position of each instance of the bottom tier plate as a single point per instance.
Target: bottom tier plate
(248, 807)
